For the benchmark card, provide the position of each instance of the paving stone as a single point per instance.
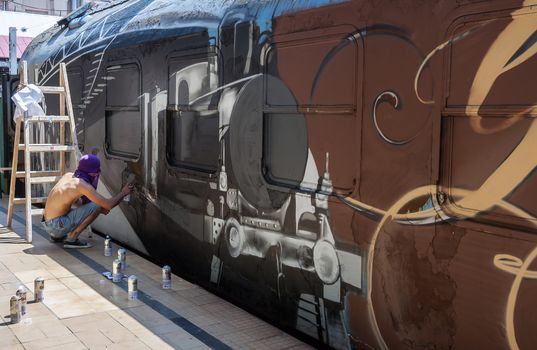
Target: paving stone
(82, 309)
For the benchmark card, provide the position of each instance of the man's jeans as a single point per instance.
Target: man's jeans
(59, 227)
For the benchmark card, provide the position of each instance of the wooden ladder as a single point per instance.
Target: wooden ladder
(41, 177)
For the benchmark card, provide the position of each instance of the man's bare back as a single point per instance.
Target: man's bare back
(62, 196)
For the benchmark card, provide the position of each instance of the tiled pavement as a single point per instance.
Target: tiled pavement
(84, 310)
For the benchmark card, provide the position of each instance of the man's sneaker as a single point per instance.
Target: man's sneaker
(56, 239)
(76, 244)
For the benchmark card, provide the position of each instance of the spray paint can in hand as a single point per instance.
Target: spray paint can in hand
(117, 275)
(107, 246)
(39, 289)
(166, 277)
(21, 293)
(130, 181)
(15, 309)
(122, 256)
(133, 287)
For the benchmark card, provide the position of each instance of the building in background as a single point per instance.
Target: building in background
(59, 8)
(30, 18)
(28, 26)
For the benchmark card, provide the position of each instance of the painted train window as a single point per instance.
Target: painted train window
(310, 120)
(192, 113)
(489, 119)
(123, 115)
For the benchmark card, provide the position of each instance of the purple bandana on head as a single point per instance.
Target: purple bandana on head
(88, 164)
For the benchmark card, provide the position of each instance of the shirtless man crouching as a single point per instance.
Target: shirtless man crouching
(64, 223)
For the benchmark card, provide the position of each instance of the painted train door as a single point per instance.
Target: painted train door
(322, 69)
(115, 91)
(293, 140)
(192, 154)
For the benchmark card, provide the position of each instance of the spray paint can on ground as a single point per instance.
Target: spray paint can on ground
(166, 277)
(15, 309)
(117, 275)
(107, 246)
(22, 294)
(122, 256)
(39, 289)
(133, 287)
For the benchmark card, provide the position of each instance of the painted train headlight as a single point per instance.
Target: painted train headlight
(234, 236)
(326, 262)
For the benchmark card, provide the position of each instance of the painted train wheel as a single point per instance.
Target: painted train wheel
(267, 146)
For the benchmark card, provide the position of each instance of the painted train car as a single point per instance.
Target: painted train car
(360, 171)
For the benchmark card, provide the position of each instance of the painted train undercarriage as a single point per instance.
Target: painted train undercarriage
(360, 171)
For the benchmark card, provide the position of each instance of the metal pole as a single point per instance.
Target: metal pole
(74, 5)
(3, 133)
(13, 51)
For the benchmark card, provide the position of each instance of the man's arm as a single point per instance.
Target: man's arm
(106, 203)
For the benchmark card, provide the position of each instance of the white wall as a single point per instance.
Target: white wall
(33, 23)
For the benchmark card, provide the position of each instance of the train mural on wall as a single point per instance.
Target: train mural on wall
(361, 171)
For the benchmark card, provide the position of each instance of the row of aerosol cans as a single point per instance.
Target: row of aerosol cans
(118, 270)
(18, 302)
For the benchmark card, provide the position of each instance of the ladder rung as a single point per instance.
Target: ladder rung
(38, 211)
(39, 173)
(47, 147)
(52, 89)
(48, 118)
(44, 179)
(34, 200)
